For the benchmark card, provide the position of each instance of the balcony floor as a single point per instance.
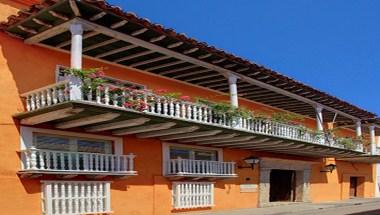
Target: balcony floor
(119, 121)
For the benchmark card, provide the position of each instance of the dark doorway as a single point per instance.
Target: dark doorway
(353, 187)
(282, 184)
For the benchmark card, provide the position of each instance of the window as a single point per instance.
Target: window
(75, 197)
(193, 194)
(73, 144)
(61, 76)
(193, 153)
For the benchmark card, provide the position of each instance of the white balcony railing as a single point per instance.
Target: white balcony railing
(187, 167)
(187, 195)
(171, 108)
(47, 96)
(76, 162)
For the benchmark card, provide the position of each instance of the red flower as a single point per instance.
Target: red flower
(185, 98)
(113, 88)
(128, 105)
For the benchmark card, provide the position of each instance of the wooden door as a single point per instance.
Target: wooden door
(353, 186)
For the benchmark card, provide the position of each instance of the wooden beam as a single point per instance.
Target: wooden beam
(156, 39)
(98, 16)
(27, 30)
(234, 139)
(133, 56)
(179, 69)
(202, 57)
(217, 85)
(50, 116)
(164, 65)
(41, 22)
(120, 124)
(191, 135)
(87, 120)
(218, 61)
(119, 24)
(68, 42)
(74, 7)
(145, 128)
(192, 73)
(138, 32)
(97, 45)
(244, 142)
(212, 81)
(149, 61)
(192, 50)
(217, 137)
(242, 69)
(114, 51)
(203, 77)
(181, 130)
(228, 66)
(58, 15)
(174, 45)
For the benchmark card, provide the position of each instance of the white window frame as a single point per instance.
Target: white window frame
(74, 199)
(27, 137)
(166, 152)
(187, 187)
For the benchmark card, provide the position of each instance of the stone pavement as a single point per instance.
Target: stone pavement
(348, 207)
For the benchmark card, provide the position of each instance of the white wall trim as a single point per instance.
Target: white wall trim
(166, 152)
(26, 137)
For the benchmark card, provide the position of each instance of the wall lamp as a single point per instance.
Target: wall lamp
(251, 161)
(328, 168)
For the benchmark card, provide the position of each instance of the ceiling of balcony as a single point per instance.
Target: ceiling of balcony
(124, 39)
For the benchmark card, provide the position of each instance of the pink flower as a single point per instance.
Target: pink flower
(113, 88)
(101, 87)
(100, 74)
(128, 105)
(185, 98)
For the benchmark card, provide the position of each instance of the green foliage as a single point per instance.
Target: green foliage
(347, 142)
(286, 118)
(226, 108)
(91, 78)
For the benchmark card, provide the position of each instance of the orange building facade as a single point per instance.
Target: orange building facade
(97, 153)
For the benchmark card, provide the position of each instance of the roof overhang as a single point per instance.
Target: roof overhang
(115, 37)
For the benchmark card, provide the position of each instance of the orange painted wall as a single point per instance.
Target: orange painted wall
(24, 67)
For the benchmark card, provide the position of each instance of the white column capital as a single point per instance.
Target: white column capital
(76, 28)
(318, 108)
(358, 124)
(232, 79)
(372, 139)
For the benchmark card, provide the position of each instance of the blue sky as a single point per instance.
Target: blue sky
(333, 46)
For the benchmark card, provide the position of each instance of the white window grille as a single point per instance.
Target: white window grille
(193, 195)
(75, 197)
